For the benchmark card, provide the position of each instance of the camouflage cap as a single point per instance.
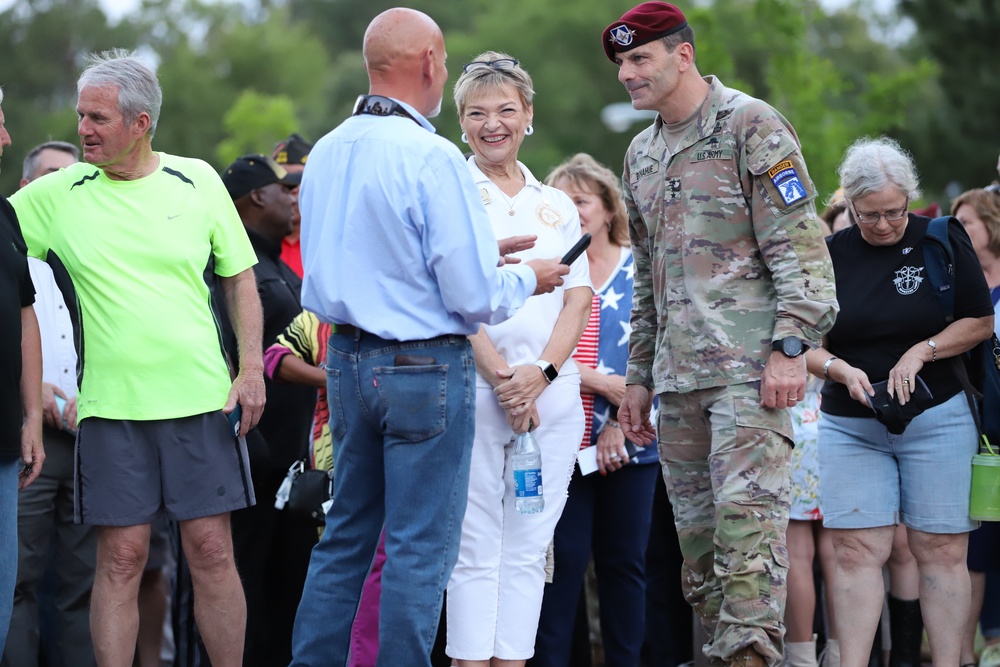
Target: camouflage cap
(293, 150)
(642, 24)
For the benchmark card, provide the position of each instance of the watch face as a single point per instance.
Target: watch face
(550, 372)
(791, 346)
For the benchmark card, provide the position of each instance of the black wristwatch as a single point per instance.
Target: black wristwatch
(790, 346)
(548, 370)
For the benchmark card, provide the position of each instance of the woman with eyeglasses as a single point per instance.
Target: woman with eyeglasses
(979, 212)
(892, 327)
(526, 381)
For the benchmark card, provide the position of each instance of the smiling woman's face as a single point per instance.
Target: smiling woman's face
(494, 123)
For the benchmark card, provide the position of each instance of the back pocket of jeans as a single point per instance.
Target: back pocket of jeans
(415, 400)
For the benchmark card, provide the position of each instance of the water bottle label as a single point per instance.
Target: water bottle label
(528, 483)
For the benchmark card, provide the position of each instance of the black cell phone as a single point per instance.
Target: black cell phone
(234, 419)
(576, 250)
(413, 360)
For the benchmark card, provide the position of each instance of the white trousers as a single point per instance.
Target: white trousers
(495, 592)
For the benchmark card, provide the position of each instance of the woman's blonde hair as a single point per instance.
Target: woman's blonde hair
(480, 79)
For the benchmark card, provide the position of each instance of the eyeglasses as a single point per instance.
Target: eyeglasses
(893, 215)
(502, 63)
(995, 188)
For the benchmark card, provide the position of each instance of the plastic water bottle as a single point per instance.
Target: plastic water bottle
(528, 475)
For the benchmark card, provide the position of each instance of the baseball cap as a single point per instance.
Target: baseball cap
(250, 172)
(293, 150)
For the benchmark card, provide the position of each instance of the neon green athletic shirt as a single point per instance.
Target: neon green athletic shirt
(149, 345)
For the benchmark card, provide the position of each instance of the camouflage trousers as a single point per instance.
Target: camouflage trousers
(726, 465)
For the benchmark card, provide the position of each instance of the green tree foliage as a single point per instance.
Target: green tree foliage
(823, 70)
(959, 142)
(211, 54)
(253, 122)
(44, 44)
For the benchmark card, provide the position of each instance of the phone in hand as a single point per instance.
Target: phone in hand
(234, 419)
(576, 250)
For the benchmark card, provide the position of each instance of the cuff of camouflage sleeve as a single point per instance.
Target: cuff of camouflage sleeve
(809, 336)
(643, 379)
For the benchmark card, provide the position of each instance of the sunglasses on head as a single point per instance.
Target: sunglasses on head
(502, 63)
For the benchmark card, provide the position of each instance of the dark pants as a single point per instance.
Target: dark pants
(609, 517)
(46, 532)
(272, 550)
(668, 640)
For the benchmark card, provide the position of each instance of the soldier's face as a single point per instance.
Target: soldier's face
(649, 74)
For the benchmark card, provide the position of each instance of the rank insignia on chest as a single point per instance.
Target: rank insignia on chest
(786, 179)
(673, 189)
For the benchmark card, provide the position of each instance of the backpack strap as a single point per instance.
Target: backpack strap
(939, 261)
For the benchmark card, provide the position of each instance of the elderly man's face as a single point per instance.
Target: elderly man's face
(104, 136)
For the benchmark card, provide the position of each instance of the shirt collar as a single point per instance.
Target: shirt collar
(480, 178)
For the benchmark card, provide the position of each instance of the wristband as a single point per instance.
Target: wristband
(826, 367)
(933, 349)
(613, 424)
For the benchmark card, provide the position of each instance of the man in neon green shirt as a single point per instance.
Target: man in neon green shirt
(135, 230)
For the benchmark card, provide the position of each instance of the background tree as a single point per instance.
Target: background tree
(958, 142)
(253, 122)
(833, 74)
(44, 44)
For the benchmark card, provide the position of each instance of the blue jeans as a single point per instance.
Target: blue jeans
(9, 467)
(402, 439)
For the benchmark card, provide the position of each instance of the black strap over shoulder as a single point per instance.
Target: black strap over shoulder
(378, 105)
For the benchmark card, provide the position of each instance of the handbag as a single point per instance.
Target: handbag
(890, 413)
(305, 492)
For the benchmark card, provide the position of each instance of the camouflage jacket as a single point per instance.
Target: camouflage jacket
(728, 251)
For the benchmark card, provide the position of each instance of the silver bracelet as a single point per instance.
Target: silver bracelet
(826, 367)
(613, 424)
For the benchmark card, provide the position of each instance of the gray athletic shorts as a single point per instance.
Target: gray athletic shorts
(126, 472)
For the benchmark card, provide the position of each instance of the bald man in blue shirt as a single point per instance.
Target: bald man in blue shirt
(400, 258)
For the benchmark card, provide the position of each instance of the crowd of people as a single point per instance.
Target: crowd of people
(724, 386)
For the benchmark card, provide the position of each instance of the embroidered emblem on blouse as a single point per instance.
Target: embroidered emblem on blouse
(548, 216)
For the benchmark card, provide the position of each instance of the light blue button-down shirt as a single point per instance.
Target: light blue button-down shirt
(395, 239)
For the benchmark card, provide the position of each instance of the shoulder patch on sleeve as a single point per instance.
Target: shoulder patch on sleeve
(787, 181)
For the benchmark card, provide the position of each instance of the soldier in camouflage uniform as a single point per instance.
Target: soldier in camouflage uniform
(732, 282)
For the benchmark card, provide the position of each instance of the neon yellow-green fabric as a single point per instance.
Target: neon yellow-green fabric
(149, 344)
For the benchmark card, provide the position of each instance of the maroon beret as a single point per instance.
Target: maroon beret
(642, 24)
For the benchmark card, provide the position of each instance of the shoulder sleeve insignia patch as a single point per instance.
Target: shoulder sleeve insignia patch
(787, 181)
